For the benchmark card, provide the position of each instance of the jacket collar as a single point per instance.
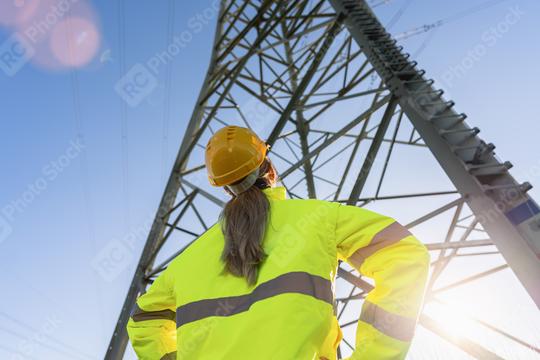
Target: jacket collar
(275, 193)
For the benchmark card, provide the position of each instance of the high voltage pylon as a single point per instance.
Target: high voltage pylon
(341, 104)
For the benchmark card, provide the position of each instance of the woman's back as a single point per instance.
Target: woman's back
(287, 314)
(259, 284)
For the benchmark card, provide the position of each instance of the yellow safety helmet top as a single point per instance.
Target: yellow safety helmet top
(233, 153)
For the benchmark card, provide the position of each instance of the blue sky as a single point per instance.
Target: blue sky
(80, 168)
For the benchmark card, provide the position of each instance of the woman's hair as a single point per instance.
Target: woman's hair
(243, 222)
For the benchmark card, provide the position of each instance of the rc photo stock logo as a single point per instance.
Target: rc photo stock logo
(5, 229)
(259, 115)
(136, 85)
(15, 52)
(113, 259)
(141, 80)
(118, 254)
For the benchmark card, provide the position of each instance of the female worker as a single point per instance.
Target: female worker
(259, 284)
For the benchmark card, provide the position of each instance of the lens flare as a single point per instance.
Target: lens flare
(61, 33)
(74, 42)
(14, 12)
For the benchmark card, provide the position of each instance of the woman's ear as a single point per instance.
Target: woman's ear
(272, 173)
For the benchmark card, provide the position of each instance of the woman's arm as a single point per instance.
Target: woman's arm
(380, 248)
(152, 326)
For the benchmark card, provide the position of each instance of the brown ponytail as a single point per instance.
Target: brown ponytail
(243, 222)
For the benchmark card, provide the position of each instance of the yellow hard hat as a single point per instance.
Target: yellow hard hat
(233, 153)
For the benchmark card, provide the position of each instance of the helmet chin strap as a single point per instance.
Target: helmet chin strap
(245, 184)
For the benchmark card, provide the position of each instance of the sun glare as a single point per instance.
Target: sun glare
(454, 318)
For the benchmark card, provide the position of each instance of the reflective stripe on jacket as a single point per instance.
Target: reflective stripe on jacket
(194, 310)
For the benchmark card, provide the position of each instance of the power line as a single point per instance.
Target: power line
(34, 330)
(41, 343)
(79, 130)
(399, 14)
(425, 43)
(123, 116)
(457, 16)
(12, 351)
(171, 20)
(375, 4)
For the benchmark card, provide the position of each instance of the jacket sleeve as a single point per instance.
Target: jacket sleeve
(152, 326)
(385, 251)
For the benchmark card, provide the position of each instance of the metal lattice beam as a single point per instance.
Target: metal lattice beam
(324, 82)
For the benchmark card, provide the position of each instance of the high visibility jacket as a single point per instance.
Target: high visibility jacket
(195, 310)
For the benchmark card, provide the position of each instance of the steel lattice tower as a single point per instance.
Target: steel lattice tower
(341, 104)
